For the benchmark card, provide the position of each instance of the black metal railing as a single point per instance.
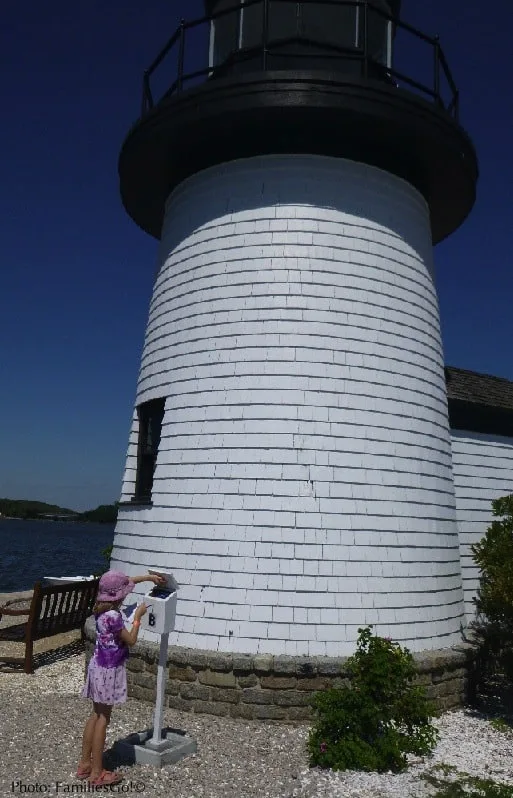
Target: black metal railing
(185, 39)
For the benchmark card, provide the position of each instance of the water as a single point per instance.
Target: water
(33, 549)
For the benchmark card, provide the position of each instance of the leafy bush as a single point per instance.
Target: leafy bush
(380, 718)
(494, 601)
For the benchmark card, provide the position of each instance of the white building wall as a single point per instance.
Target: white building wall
(483, 471)
(303, 485)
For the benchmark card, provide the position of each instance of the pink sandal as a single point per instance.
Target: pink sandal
(83, 773)
(106, 778)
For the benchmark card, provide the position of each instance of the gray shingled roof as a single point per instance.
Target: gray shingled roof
(482, 389)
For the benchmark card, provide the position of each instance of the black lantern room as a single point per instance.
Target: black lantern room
(296, 32)
(315, 76)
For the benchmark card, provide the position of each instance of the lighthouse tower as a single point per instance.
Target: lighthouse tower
(290, 458)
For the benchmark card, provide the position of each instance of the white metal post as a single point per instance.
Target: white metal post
(161, 685)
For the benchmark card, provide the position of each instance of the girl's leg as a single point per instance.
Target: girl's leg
(102, 713)
(87, 743)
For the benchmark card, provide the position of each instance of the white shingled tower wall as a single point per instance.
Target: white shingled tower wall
(303, 485)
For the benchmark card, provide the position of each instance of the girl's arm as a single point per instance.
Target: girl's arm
(157, 580)
(130, 637)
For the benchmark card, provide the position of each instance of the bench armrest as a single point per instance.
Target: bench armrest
(24, 605)
(8, 611)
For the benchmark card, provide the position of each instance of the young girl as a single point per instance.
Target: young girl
(106, 674)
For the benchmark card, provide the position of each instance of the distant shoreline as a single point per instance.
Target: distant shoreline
(29, 510)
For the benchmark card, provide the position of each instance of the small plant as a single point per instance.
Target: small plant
(444, 768)
(380, 718)
(465, 786)
(501, 725)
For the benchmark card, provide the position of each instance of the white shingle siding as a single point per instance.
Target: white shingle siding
(303, 485)
(483, 471)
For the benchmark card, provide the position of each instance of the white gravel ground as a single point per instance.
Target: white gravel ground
(41, 726)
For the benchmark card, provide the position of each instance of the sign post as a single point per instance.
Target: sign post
(161, 683)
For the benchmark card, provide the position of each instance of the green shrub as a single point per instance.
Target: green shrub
(380, 718)
(494, 601)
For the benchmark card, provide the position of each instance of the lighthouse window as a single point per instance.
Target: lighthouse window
(252, 26)
(226, 32)
(284, 23)
(150, 416)
(329, 25)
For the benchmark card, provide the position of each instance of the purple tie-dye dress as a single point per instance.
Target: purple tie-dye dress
(106, 674)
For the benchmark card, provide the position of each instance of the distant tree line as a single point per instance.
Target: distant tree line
(21, 508)
(104, 514)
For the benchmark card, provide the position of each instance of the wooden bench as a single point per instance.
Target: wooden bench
(52, 610)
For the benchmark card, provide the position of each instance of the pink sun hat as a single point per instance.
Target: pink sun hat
(114, 586)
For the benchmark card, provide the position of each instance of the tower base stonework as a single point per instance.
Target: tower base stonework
(273, 688)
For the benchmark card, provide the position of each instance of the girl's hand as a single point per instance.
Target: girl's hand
(140, 611)
(157, 579)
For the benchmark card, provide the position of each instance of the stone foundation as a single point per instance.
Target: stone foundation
(266, 687)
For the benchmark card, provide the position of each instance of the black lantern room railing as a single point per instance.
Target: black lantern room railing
(259, 35)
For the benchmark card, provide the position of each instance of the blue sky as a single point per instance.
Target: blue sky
(76, 273)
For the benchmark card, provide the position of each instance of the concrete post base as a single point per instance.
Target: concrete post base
(139, 748)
